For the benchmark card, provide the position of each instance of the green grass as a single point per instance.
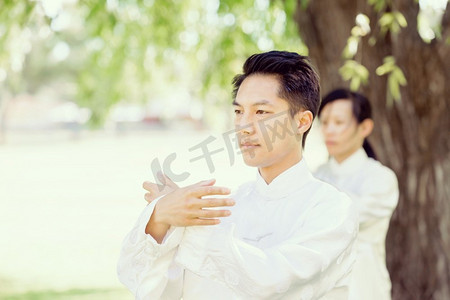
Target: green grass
(72, 294)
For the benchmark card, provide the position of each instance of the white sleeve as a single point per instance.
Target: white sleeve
(379, 197)
(306, 265)
(147, 267)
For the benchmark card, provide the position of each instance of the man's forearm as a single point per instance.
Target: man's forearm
(157, 230)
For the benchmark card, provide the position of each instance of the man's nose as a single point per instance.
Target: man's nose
(246, 124)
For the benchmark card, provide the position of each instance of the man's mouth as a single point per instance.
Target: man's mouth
(249, 145)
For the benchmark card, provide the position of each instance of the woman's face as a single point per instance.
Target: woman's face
(341, 131)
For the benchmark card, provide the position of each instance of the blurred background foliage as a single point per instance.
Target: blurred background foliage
(98, 53)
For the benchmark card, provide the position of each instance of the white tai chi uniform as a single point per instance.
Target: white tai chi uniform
(373, 188)
(291, 239)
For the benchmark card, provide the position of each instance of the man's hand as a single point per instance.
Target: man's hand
(187, 207)
(155, 190)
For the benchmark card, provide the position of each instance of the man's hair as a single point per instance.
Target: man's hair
(299, 82)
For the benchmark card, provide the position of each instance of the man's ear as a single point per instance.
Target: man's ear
(304, 121)
(366, 127)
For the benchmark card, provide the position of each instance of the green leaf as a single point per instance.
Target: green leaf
(399, 77)
(395, 79)
(386, 67)
(378, 5)
(392, 21)
(355, 83)
(351, 47)
(385, 22)
(393, 87)
(355, 72)
(290, 6)
(304, 4)
(400, 19)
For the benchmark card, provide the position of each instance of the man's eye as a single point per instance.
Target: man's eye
(261, 112)
(237, 111)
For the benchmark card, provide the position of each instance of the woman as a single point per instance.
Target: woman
(346, 122)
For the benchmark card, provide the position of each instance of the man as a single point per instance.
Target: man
(286, 235)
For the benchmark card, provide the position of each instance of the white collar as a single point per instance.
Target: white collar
(284, 184)
(351, 164)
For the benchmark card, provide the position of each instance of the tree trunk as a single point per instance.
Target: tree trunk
(411, 137)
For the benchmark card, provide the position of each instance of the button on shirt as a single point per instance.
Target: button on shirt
(290, 239)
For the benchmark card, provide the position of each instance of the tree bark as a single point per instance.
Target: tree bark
(411, 136)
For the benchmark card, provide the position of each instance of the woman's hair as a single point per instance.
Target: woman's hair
(361, 109)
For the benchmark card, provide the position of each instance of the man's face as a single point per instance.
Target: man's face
(342, 133)
(266, 131)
